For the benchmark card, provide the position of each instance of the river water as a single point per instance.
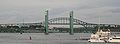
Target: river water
(40, 38)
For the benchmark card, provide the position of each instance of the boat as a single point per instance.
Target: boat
(114, 39)
(104, 36)
(99, 36)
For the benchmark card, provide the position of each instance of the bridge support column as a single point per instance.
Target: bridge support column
(71, 23)
(46, 23)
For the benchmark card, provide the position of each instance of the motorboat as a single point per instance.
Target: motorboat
(104, 36)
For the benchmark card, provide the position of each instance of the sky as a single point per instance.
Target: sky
(16, 11)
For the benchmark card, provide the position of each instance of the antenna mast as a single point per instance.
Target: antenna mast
(99, 24)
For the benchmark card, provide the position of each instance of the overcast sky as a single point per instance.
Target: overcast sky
(15, 11)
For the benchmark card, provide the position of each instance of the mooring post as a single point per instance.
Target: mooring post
(46, 23)
(71, 23)
(30, 37)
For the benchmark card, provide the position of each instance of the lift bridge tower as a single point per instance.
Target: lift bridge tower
(46, 23)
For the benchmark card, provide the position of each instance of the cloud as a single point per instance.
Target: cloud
(13, 11)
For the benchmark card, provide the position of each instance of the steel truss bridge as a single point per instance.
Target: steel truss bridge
(65, 21)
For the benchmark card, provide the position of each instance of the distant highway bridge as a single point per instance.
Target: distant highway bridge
(71, 21)
(63, 21)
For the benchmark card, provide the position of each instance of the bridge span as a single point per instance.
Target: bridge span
(63, 21)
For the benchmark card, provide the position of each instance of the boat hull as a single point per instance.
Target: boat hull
(96, 40)
(114, 40)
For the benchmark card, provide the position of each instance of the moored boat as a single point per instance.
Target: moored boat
(104, 36)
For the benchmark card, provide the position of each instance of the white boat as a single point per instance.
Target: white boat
(104, 36)
(114, 39)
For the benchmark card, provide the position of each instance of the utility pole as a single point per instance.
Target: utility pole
(46, 23)
(71, 23)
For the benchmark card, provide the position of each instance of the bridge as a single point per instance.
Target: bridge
(71, 21)
(65, 21)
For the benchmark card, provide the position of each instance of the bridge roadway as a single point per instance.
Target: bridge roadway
(63, 21)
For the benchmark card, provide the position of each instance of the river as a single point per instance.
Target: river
(40, 38)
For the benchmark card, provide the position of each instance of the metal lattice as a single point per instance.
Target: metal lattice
(65, 21)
